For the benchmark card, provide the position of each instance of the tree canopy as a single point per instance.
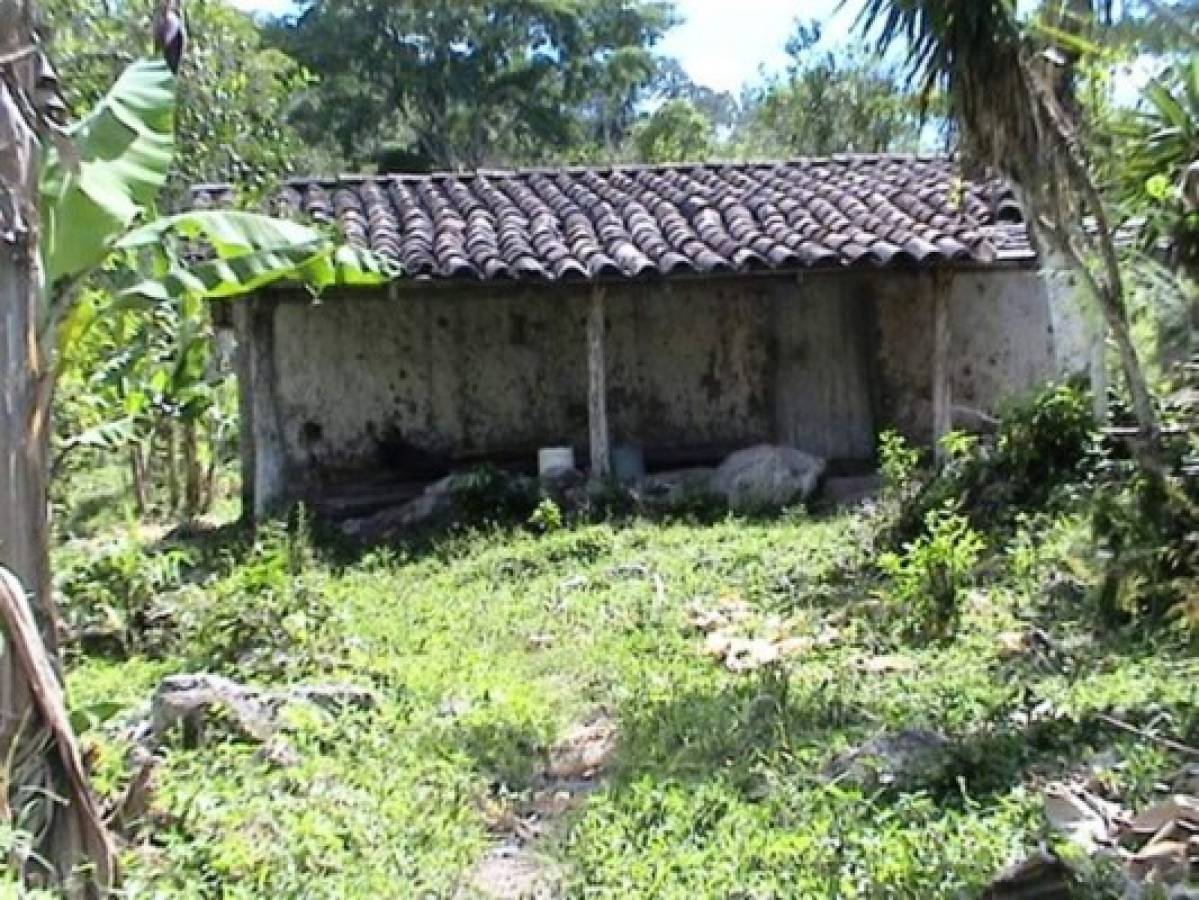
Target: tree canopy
(235, 91)
(470, 83)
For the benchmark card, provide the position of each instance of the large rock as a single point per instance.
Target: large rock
(767, 477)
(199, 708)
(901, 760)
(202, 708)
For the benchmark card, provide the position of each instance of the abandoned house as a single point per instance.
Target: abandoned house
(686, 311)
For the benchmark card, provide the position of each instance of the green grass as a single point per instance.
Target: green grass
(717, 789)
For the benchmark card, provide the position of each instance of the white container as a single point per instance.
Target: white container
(550, 459)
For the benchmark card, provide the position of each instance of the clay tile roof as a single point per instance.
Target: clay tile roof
(626, 222)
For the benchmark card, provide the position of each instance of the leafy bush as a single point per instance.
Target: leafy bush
(269, 616)
(1044, 440)
(116, 600)
(1145, 541)
(1042, 443)
(899, 463)
(547, 517)
(929, 575)
(488, 494)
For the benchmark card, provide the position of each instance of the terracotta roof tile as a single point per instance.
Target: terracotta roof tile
(582, 223)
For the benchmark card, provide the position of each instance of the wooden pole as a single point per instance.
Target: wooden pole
(942, 388)
(597, 391)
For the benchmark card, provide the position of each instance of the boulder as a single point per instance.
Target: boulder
(201, 707)
(900, 760)
(767, 477)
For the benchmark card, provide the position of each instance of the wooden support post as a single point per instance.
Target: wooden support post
(597, 391)
(942, 388)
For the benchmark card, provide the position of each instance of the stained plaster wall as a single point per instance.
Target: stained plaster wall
(420, 380)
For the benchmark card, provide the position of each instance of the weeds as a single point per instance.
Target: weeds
(928, 577)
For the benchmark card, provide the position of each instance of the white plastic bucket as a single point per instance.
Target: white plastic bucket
(550, 459)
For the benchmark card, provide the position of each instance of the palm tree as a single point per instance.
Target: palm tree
(1012, 96)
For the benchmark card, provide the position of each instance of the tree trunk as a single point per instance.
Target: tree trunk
(24, 429)
(137, 465)
(171, 452)
(193, 471)
(44, 786)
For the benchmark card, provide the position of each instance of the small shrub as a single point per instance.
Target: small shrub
(1144, 532)
(928, 576)
(1041, 444)
(489, 494)
(1045, 440)
(269, 616)
(116, 600)
(898, 462)
(547, 517)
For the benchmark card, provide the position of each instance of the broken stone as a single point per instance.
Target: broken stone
(279, 754)
(1085, 818)
(585, 751)
(332, 698)
(727, 611)
(767, 477)
(749, 655)
(1176, 809)
(889, 664)
(903, 760)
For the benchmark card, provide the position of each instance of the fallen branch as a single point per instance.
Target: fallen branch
(1168, 743)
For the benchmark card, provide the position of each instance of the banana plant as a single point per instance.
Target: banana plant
(99, 189)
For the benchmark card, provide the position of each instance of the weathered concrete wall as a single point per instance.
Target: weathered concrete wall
(414, 382)
(1010, 331)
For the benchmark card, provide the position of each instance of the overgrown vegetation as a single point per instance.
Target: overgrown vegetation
(485, 646)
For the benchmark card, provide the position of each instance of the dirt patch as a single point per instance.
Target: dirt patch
(574, 769)
(512, 872)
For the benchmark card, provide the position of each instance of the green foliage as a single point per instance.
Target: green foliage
(470, 83)
(250, 251)
(547, 517)
(675, 132)
(1144, 565)
(1157, 145)
(98, 203)
(487, 494)
(898, 462)
(234, 92)
(928, 577)
(1042, 443)
(718, 783)
(114, 599)
(833, 101)
(1045, 439)
(269, 618)
(119, 159)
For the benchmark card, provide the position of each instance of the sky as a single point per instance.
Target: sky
(722, 44)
